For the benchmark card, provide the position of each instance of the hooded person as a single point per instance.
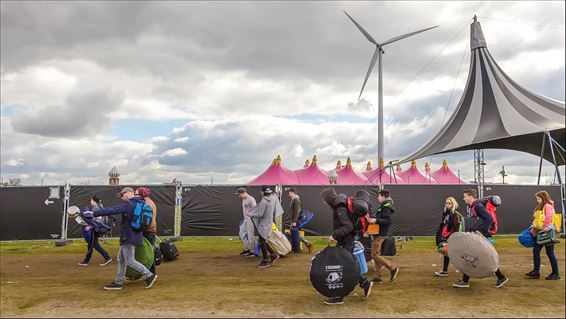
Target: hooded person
(262, 216)
(343, 234)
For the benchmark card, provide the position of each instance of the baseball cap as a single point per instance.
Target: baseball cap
(124, 190)
(240, 190)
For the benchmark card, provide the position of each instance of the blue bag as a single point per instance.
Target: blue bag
(526, 238)
(142, 217)
(305, 216)
(359, 254)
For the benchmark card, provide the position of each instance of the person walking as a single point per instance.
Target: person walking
(383, 216)
(247, 231)
(264, 214)
(91, 237)
(150, 233)
(449, 224)
(129, 239)
(543, 216)
(476, 208)
(295, 212)
(343, 235)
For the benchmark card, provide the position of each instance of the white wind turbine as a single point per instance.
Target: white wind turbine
(377, 56)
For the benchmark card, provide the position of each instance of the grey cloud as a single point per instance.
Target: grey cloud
(84, 113)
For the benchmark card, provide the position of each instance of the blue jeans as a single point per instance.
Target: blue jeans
(126, 258)
(551, 257)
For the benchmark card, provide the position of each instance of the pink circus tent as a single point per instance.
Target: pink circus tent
(444, 175)
(275, 174)
(380, 176)
(428, 174)
(312, 175)
(413, 176)
(348, 176)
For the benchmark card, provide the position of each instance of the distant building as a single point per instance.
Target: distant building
(114, 176)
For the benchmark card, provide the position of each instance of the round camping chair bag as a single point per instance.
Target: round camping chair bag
(526, 238)
(143, 255)
(334, 272)
(473, 254)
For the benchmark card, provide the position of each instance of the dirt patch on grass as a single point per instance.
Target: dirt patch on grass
(211, 280)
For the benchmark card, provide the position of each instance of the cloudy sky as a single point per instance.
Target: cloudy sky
(215, 90)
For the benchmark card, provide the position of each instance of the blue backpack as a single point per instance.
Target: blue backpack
(142, 217)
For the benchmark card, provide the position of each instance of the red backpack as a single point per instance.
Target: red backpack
(360, 222)
(491, 203)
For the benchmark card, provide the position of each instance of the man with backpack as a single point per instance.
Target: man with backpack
(384, 218)
(264, 214)
(129, 238)
(475, 208)
(150, 233)
(343, 225)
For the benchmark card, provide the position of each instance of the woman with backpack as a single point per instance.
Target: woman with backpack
(449, 224)
(543, 216)
(91, 237)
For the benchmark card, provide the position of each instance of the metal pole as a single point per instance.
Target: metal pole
(380, 155)
(178, 210)
(541, 156)
(562, 191)
(65, 219)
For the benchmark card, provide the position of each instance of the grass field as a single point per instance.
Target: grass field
(211, 280)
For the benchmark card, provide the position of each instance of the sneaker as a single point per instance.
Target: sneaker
(249, 254)
(83, 264)
(441, 273)
(106, 262)
(376, 280)
(501, 282)
(244, 252)
(334, 301)
(150, 281)
(273, 259)
(264, 264)
(113, 286)
(553, 276)
(461, 284)
(532, 275)
(367, 288)
(394, 273)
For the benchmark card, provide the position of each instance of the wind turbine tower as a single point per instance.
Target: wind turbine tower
(377, 56)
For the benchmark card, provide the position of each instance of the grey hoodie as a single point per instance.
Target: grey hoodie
(263, 215)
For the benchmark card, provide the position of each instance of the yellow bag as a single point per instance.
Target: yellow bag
(538, 221)
(557, 222)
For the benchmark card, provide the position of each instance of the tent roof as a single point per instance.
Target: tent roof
(444, 175)
(413, 176)
(348, 176)
(275, 174)
(380, 175)
(312, 175)
(496, 112)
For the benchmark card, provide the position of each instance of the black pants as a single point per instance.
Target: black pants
(151, 238)
(94, 244)
(551, 257)
(445, 264)
(498, 273)
(265, 247)
(349, 246)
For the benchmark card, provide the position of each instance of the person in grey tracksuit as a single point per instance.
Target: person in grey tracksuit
(262, 216)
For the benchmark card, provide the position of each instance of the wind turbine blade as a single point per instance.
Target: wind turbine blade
(406, 35)
(371, 65)
(365, 33)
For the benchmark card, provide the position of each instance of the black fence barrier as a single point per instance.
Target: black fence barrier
(216, 210)
(28, 212)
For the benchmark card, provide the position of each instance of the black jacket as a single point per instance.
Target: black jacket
(384, 217)
(478, 209)
(343, 227)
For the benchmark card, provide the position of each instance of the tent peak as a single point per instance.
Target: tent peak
(381, 163)
(368, 166)
(477, 40)
(348, 163)
(314, 160)
(339, 164)
(444, 164)
(307, 163)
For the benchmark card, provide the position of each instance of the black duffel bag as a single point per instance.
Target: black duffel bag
(334, 272)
